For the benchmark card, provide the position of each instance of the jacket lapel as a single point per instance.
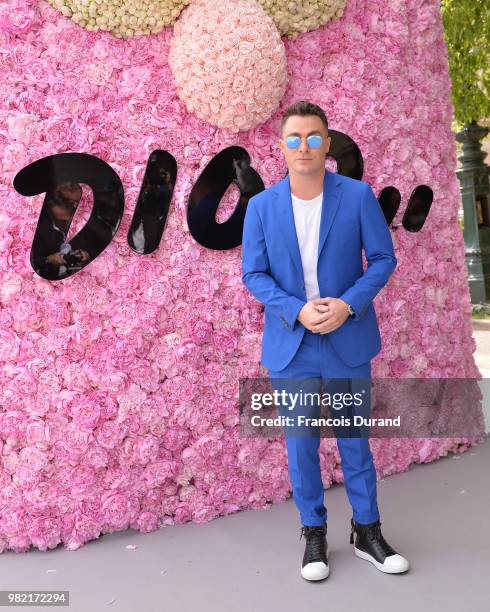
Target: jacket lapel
(285, 216)
(331, 200)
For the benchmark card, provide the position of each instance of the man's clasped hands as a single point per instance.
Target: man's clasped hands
(323, 315)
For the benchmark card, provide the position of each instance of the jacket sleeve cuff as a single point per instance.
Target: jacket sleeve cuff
(358, 307)
(291, 312)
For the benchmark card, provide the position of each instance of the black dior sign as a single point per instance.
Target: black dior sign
(59, 177)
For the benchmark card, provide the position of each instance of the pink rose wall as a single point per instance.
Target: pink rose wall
(119, 385)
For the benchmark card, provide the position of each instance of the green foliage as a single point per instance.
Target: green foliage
(480, 311)
(467, 34)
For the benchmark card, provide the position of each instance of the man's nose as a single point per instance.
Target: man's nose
(303, 147)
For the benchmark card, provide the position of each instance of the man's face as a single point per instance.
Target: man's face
(60, 213)
(304, 160)
(71, 192)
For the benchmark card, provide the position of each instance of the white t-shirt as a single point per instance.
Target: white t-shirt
(307, 215)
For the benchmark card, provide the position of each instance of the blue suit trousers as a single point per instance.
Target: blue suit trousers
(315, 367)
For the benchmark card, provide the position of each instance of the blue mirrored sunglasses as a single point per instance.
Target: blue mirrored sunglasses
(314, 141)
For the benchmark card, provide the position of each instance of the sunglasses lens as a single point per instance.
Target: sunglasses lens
(292, 142)
(314, 141)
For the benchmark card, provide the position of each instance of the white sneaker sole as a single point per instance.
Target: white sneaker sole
(393, 569)
(317, 570)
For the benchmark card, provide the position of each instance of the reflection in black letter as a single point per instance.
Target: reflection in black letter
(52, 257)
(153, 203)
(230, 165)
(347, 155)
(417, 208)
(389, 199)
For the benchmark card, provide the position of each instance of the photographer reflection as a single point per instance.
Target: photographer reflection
(105, 218)
(51, 254)
(152, 207)
(230, 166)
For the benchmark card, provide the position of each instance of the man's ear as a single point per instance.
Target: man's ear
(329, 140)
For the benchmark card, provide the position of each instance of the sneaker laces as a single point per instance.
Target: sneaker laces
(373, 531)
(315, 537)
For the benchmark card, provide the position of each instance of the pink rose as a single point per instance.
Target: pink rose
(115, 511)
(17, 17)
(33, 458)
(146, 449)
(109, 434)
(146, 522)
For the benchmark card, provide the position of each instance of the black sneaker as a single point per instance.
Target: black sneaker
(315, 559)
(371, 546)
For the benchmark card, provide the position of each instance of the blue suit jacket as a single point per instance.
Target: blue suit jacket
(351, 219)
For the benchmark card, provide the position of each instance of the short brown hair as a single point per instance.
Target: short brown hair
(304, 108)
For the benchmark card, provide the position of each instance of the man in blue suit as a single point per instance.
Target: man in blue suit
(302, 258)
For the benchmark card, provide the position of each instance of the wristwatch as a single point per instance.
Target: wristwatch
(351, 310)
